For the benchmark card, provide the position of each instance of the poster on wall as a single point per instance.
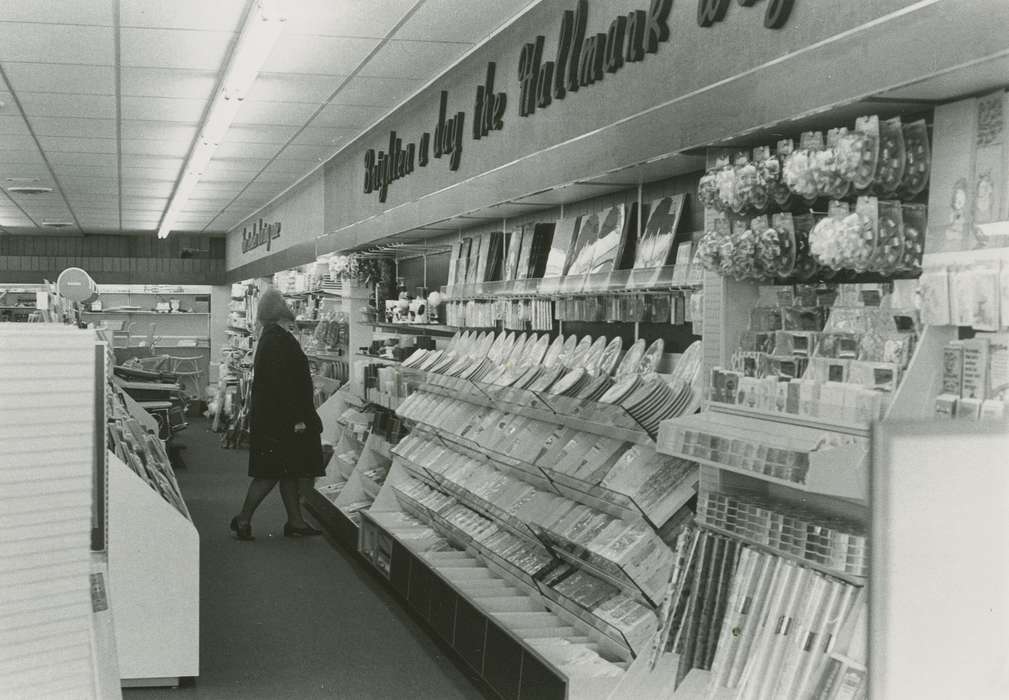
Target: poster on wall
(565, 231)
(653, 250)
(969, 182)
(453, 262)
(610, 239)
(463, 268)
(484, 257)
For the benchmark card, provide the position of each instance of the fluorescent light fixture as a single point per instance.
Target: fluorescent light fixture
(261, 31)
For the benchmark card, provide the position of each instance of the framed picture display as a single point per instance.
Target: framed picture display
(483, 257)
(565, 231)
(543, 235)
(656, 243)
(453, 262)
(495, 257)
(474, 261)
(525, 252)
(580, 255)
(609, 240)
(512, 258)
(462, 270)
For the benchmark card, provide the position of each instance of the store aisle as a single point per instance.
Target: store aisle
(293, 618)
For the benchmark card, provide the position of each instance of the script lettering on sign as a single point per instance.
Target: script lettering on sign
(776, 13)
(259, 234)
(583, 59)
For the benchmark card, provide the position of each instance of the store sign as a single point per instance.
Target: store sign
(259, 234)
(580, 60)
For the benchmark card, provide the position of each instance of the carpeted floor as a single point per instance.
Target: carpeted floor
(293, 618)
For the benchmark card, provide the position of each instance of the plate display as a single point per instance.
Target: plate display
(584, 345)
(632, 359)
(518, 350)
(569, 382)
(535, 354)
(621, 389)
(547, 378)
(568, 351)
(650, 360)
(594, 357)
(554, 352)
(610, 355)
(495, 349)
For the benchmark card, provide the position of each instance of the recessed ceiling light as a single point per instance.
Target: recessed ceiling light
(57, 224)
(23, 179)
(30, 189)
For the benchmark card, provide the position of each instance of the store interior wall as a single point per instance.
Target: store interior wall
(114, 259)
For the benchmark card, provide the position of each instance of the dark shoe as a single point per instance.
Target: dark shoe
(242, 532)
(307, 531)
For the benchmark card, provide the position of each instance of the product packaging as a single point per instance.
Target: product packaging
(891, 164)
(918, 159)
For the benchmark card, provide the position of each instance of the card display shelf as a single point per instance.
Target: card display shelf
(595, 495)
(633, 435)
(378, 358)
(562, 547)
(140, 312)
(491, 618)
(734, 442)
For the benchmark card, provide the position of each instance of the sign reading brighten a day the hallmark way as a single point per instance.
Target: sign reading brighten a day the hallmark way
(581, 59)
(259, 234)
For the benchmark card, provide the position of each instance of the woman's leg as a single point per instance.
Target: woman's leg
(290, 493)
(258, 490)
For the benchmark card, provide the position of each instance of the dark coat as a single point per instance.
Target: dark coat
(281, 398)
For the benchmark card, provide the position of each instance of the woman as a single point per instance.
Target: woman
(283, 425)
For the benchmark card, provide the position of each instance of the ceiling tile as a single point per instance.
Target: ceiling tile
(140, 174)
(300, 53)
(246, 150)
(152, 147)
(323, 136)
(225, 177)
(53, 104)
(167, 82)
(309, 153)
(163, 109)
(263, 133)
(18, 142)
(471, 21)
(237, 165)
(71, 144)
(290, 166)
(413, 59)
(74, 127)
(345, 17)
(174, 48)
(201, 207)
(169, 131)
(346, 116)
(61, 77)
(21, 157)
(294, 114)
(282, 177)
(294, 87)
(57, 11)
(11, 125)
(383, 92)
(144, 202)
(83, 173)
(100, 161)
(160, 189)
(222, 15)
(57, 43)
